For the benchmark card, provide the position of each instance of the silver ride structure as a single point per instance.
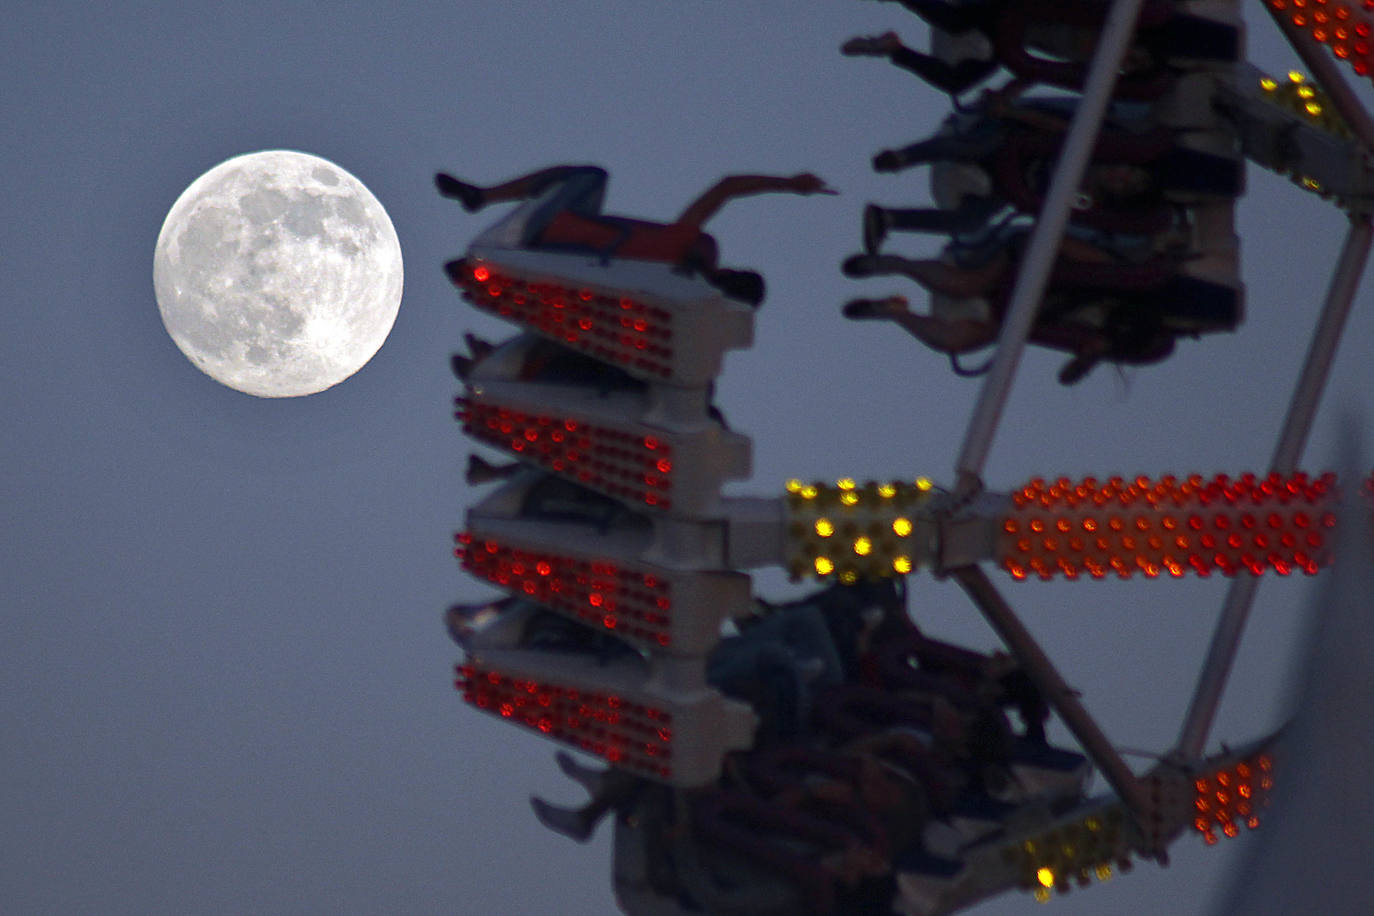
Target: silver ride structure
(824, 756)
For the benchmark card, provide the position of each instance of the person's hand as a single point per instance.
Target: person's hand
(806, 183)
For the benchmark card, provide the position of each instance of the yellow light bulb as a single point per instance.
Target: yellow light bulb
(824, 566)
(923, 484)
(1045, 876)
(1295, 76)
(794, 485)
(1305, 91)
(824, 527)
(849, 577)
(901, 526)
(1268, 84)
(849, 498)
(887, 491)
(845, 483)
(1313, 109)
(808, 492)
(863, 546)
(901, 564)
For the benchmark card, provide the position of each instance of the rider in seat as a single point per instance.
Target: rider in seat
(570, 219)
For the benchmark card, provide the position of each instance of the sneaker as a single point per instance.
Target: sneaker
(1076, 368)
(860, 309)
(859, 265)
(876, 224)
(569, 823)
(870, 46)
(744, 285)
(889, 160)
(470, 196)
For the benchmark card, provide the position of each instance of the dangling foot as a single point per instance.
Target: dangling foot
(890, 307)
(590, 779)
(744, 285)
(457, 271)
(567, 821)
(480, 471)
(1076, 368)
(859, 265)
(889, 160)
(477, 346)
(871, 46)
(872, 265)
(470, 196)
(876, 223)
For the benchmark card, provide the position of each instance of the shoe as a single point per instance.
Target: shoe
(477, 346)
(744, 285)
(457, 271)
(480, 471)
(470, 196)
(1076, 368)
(860, 309)
(590, 779)
(566, 821)
(870, 46)
(876, 224)
(859, 265)
(889, 160)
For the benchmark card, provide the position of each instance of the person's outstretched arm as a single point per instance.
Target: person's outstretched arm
(705, 206)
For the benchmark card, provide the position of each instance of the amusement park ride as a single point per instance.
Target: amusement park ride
(825, 756)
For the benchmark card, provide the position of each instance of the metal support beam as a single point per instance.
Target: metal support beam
(1062, 698)
(1044, 243)
(1293, 437)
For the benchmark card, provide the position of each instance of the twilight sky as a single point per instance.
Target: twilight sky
(224, 680)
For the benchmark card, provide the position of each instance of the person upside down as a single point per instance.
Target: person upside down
(571, 219)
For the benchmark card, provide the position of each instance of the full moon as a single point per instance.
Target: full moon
(278, 274)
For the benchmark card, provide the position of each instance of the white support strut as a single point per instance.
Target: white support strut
(1045, 238)
(1293, 437)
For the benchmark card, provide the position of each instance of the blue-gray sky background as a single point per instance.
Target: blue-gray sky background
(224, 682)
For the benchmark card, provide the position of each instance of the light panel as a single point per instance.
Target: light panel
(852, 531)
(1297, 93)
(622, 330)
(675, 611)
(1170, 527)
(654, 322)
(627, 600)
(1072, 852)
(635, 466)
(1231, 796)
(1343, 26)
(619, 711)
(633, 736)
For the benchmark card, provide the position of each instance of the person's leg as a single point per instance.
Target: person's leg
(587, 184)
(935, 275)
(582, 190)
(953, 79)
(947, 16)
(976, 145)
(971, 215)
(945, 335)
